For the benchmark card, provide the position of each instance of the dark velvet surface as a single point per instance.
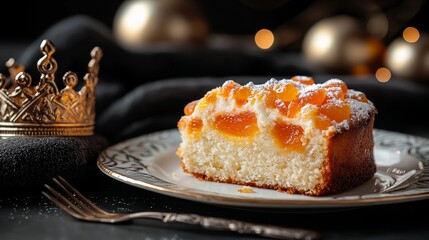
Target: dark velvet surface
(145, 91)
(29, 162)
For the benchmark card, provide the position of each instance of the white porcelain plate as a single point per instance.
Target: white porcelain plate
(150, 162)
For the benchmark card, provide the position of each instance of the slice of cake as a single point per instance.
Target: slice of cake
(291, 135)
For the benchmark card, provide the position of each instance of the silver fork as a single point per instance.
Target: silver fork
(80, 207)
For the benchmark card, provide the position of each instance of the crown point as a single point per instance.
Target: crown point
(23, 79)
(47, 47)
(70, 79)
(42, 110)
(97, 53)
(10, 63)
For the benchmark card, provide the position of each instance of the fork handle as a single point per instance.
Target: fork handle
(241, 226)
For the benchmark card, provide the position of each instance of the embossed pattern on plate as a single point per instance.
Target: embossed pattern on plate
(150, 162)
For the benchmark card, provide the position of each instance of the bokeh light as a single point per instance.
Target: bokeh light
(264, 39)
(411, 34)
(321, 43)
(401, 56)
(137, 18)
(383, 74)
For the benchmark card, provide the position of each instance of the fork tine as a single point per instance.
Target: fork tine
(78, 206)
(81, 203)
(62, 206)
(85, 201)
(59, 202)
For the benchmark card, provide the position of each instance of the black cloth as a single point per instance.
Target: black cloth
(29, 162)
(145, 91)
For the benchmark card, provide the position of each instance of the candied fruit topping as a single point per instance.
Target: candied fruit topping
(336, 110)
(240, 124)
(227, 88)
(181, 124)
(322, 122)
(283, 107)
(196, 124)
(190, 107)
(241, 95)
(193, 127)
(209, 98)
(293, 108)
(288, 136)
(315, 96)
(286, 92)
(270, 99)
(336, 89)
(303, 79)
(278, 96)
(336, 83)
(329, 100)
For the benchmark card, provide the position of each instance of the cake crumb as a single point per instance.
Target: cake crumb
(246, 189)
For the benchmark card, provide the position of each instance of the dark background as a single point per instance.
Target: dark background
(26, 20)
(131, 104)
(400, 99)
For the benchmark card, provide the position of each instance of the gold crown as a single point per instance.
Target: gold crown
(44, 110)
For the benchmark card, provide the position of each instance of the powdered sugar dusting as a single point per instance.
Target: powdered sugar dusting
(227, 82)
(333, 81)
(361, 108)
(277, 84)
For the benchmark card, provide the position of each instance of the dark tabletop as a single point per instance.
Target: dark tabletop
(32, 216)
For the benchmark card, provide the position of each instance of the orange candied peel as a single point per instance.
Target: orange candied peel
(335, 88)
(337, 111)
(242, 124)
(190, 107)
(286, 92)
(322, 122)
(227, 87)
(336, 83)
(303, 79)
(279, 95)
(288, 136)
(209, 98)
(328, 96)
(241, 95)
(192, 127)
(315, 96)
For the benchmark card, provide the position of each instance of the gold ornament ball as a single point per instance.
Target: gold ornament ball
(341, 44)
(409, 60)
(141, 22)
